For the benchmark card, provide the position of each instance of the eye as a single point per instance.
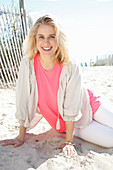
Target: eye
(52, 36)
(41, 37)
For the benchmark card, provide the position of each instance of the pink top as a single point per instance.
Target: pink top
(48, 84)
(94, 102)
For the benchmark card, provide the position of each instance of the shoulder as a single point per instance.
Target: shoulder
(71, 68)
(25, 62)
(26, 66)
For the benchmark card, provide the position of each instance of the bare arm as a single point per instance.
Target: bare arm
(69, 131)
(22, 132)
(68, 145)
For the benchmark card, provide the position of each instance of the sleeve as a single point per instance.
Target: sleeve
(73, 94)
(22, 93)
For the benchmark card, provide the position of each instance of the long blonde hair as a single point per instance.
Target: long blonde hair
(29, 45)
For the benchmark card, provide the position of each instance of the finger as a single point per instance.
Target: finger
(3, 141)
(8, 143)
(68, 151)
(4, 144)
(60, 147)
(64, 149)
(74, 150)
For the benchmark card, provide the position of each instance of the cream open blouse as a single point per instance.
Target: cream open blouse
(73, 99)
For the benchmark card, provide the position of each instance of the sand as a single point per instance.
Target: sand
(39, 150)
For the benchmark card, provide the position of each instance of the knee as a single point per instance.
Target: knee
(108, 141)
(108, 144)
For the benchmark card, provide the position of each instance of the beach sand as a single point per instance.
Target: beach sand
(39, 150)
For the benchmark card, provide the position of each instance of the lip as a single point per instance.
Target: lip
(46, 48)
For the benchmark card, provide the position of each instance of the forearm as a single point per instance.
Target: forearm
(69, 131)
(22, 132)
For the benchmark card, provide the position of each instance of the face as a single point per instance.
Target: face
(46, 41)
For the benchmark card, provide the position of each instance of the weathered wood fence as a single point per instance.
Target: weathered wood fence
(104, 60)
(13, 30)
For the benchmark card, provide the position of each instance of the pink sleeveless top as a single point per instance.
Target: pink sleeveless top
(48, 84)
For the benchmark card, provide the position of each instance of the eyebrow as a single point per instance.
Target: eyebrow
(43, 35)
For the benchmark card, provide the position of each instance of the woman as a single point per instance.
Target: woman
(49, 86)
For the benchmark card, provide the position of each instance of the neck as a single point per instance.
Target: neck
(47, 63)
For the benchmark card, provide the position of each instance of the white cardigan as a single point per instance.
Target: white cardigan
(73, 100)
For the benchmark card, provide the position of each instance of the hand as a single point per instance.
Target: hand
(67, 149)
(15, 142)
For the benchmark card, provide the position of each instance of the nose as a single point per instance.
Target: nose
(46, 40)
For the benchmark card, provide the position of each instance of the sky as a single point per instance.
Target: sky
(87, 23)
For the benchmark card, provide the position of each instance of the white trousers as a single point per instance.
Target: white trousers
(100, 130)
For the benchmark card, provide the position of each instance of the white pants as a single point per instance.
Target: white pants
(100, 130)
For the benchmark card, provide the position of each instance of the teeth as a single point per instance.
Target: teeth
(47, 48)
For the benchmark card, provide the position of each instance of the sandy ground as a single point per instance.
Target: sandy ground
(38, 152)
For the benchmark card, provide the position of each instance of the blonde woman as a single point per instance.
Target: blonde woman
(49, 86)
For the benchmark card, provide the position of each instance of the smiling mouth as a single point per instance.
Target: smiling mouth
(47, 49)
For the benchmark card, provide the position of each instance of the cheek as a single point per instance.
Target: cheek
(38, 43)
(55, 43)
